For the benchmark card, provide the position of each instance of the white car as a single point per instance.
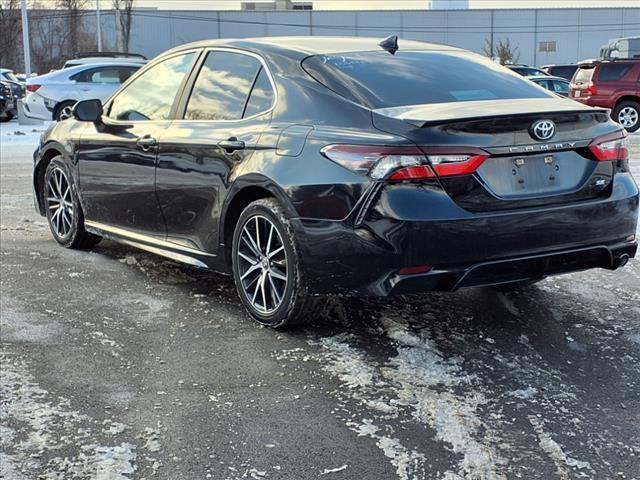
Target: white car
(52, 96)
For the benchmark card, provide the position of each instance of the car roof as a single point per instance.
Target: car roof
(547, 77)
(302, 46)
(80, 68)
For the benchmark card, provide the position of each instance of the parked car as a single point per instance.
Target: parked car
(7, 101)
(7, 75)
(526, 70)
(555, 84)
(105, 57)
(51, 96)
(305, 166)
(565, 71)
(611, 84)
(625, 47)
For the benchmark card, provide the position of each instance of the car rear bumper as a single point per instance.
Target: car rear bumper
(464, 249)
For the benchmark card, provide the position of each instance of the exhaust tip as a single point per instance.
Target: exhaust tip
(622, 260)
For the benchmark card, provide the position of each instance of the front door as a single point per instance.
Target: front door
(228, 108)
(117, 157)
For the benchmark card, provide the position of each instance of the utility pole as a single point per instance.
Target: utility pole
(99, 25)
(25, 38)
(119, 42)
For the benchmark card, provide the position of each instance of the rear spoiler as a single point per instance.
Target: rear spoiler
(447, 112)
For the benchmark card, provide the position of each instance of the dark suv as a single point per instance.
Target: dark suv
(613, 84)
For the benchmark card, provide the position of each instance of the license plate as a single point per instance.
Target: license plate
(576, 93)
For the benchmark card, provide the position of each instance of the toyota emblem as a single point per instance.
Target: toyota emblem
(543, 130)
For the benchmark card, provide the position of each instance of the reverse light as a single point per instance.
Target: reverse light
(405, 162)
(611, 147)
(33, 88)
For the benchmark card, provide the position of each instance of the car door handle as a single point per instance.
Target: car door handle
(232, 144)
(146, 142)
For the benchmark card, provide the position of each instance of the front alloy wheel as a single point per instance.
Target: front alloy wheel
(59, 203)
(62, 207)
(267, 268)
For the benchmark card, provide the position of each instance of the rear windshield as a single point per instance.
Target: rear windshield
(564, 71)
(583, 75)
(379, 79)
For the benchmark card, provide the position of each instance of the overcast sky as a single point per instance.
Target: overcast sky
(389, 4)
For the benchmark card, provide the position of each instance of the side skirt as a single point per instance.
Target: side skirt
(179, 253)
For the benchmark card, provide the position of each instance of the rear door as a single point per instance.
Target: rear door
(614, 80)
(117, 158)
(222, 114)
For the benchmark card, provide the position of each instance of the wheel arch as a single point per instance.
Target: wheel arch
(244, 191)
(626, 98)
(48, 154)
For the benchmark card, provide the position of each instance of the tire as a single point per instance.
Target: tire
(66, 222)
(271, 300)
(510, 287)
(627, 114)
(63, 108)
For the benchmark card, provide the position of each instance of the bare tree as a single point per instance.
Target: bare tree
(125, 10)
(73, 14)
(10, 35)
(504, 52)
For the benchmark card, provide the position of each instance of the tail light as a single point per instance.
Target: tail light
(33, 88)
(405, 162)
(592, 89)
(611, 147)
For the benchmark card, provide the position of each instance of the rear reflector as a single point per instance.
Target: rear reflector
(415, 270)
(33, 88)
(611, 147)
(405, 162)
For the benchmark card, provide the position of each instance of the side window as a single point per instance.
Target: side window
(222, 87)
(104, 75)
(126, 72)
(613, 71)
(560, 87)
(151, 95)
(261, 97)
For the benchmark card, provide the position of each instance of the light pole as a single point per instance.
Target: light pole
(25, 38)
(99, 25)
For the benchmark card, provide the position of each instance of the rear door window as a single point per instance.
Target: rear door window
(262, 96)
(613, 71)
(560, 87)
(378, 80)
(222, 87)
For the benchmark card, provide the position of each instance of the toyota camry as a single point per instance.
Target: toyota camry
(309, 166)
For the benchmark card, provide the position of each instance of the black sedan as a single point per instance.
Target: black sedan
(313, 166)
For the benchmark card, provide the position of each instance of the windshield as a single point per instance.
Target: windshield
(379, 80)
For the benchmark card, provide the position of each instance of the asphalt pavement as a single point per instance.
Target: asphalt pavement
(117, 364)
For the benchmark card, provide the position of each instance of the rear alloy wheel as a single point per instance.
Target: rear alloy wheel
(627, 114)
(64, 110)
(63, 209)
(266, 267)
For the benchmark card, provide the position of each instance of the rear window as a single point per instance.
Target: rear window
(564, 71)
(583, 75)
(612, 71)
(380, 80)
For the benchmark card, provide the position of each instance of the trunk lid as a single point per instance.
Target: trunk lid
(522, 170)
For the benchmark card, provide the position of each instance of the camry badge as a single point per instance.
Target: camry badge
(542, 130)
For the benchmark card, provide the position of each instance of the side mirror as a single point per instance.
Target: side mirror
(88, 111)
